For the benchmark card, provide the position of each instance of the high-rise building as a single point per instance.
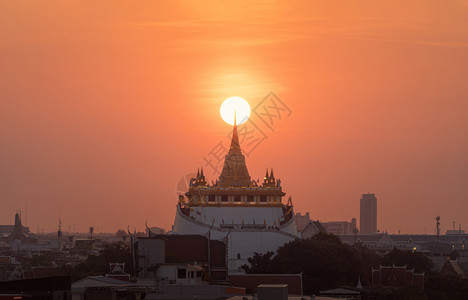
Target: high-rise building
(368, 214)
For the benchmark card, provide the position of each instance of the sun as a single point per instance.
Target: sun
(237, 106)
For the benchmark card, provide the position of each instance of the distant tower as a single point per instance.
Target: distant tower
(368, 214)
(91, 230)
(59, 235)
(18, 226)
(17, 233)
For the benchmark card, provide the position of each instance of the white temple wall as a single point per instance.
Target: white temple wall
(241, 244)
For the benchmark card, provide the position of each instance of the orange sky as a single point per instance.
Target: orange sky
(105, 106)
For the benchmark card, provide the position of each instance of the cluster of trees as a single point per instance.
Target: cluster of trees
(99, 264)
(36, 261)
(326, 262)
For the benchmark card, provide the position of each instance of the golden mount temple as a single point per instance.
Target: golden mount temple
(248, 216)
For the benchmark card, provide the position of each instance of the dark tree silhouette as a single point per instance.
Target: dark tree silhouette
(323, 259)
(99, 264)
(410, 259)
(260, 263)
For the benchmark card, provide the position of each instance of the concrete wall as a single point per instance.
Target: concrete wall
(151, 252)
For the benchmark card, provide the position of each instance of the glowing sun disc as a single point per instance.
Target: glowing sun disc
(237, 105)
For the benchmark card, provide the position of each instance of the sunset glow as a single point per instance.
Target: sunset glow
(106, 106)
(235, 106)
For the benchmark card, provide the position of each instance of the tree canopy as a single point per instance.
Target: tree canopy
(323, 259)
(326, 262)
(99, 264)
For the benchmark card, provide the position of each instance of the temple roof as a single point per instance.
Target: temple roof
(234, 171)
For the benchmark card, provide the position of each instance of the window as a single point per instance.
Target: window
(182, 273)
(224, 198)
(250, 199)
(238, 255)
(263, 198)
(237, 198)
(199, 274)
(212, 198)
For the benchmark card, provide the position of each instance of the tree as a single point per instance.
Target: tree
(99, 264)
(40, 261)
(446, 287)
(323, 259)
(410, 259)
(260, 263)
(367, 259)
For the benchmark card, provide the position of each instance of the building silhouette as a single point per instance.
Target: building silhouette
(368, 214)
(340, 227)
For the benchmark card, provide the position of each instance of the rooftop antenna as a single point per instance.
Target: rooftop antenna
(437, 228)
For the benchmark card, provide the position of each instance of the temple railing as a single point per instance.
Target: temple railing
(236, 227)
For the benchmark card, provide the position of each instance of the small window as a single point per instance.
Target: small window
(250, 199)
(212, 198)
(181, 273)
(238, 255)
(237, 198)
(263, 198)
(199, 274)
(224, 198)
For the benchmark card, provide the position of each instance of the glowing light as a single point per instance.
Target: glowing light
(237, 106)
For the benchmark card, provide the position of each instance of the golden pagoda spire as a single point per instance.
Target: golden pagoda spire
(235, 137)
(234, 171)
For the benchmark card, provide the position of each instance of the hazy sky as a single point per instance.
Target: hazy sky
(105, 106)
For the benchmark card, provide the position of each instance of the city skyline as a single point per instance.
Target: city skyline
(101, 119)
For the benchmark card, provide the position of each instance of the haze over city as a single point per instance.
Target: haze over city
(104, 108)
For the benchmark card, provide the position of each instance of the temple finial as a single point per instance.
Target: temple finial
(235, 137)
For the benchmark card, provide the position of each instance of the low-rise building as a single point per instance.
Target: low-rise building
(180, 259)
(311, 229)
(340, 227)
